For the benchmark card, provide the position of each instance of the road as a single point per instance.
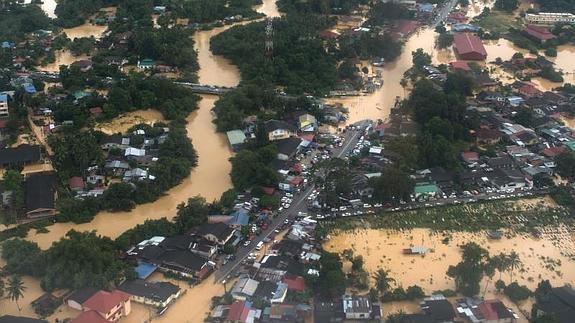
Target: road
(298, 205)
(443, 13)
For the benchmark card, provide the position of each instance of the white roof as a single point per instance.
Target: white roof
(131, 151)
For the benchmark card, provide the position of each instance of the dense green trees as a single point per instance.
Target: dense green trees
(146, 230)
(331, 281)
(469, 272)
(566, 165)
(72, 13)
(556, 6)
(74, 152)
(23, 257)
(13, 182)
(191, 214)
(384, 12)
(250, 168)
(507, 5)
(16, 21)
(300, 62)
(84, 259)
(393, 185)
(368, 45)
(320, 6)
(444, 40)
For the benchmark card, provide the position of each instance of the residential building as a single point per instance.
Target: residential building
(288, 148)
(109, 305)
(469, 47)
(542, 34)
(559, 302)
(236, 138)
(244, 289)
(158, 294)
(550, 18)
(40, 195)
(488, 311)
(438, 309)
(21, 155)
(19, 319)
(277, 130)
(328, 312)
(84, 65)
(358, 308)
(307, 122)
(79, 297)
(219, 233)
(3, 106)
(146, 64)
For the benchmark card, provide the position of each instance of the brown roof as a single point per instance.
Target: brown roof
(538, 32)
(89, 317)
(76, 182)
(104, 301)
(466, 43)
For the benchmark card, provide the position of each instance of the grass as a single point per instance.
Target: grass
(489, 215)
(497, 21)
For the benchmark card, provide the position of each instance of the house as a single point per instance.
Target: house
(277, 130)
(19, 319)
(89, 317)
(236, 138)
(438, 308)
(181, 262)
(134, 152)
(307, 122)
(328, 35)
(240, 218)
(487, 136)
(83, 65)
(279, 294)
(426, 189)
(460, 28)
(460, 66)
(158, 294)
(79, 297)
(76, 183)
(244, 289)
(542, 34)
(404, 28)
(294, 283)
(219, 233)
(95, 111)
(328, 311)
(242, 312)
(470, 157)
(109, 305)
(469, 47)
(558, 302)
(488, 311)
(507, 179)
(288, 148)
(457, 17)
(21, 155)
(500, 162)
(528, 90)
(3, 106)
(40, 196)
(356, 307)
(146, 64)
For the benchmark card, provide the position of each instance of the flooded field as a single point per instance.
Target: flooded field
(541, 258)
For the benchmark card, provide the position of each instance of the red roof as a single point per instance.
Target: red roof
(460, 65)
(457, 16)
(406, 27)
(328, 34)
(529, 89)
(76, 182)
(470, 156)
(104, 301)
(538, 32)
(296, 283)
(96, 110)
(296, 181)
(238, 311)
(89, 317)
(553, 151)
(469, 46)
(308, 137)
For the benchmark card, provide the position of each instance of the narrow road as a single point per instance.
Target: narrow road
(298, 205)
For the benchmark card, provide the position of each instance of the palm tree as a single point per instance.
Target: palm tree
(16, 289)
(489, 271)
(500, 262)
(382, 280)
(514, 261)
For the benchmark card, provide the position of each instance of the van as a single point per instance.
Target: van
(259, 245)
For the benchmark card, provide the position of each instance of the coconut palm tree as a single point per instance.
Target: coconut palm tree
(514, 262)
(382, 280)
(489, 271)
(16, 289)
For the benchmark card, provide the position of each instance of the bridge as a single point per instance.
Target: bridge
(206, 89)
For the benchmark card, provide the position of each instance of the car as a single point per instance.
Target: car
(342, 208)
(247, 243)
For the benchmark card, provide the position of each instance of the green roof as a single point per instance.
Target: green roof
(236, 137)
(426, 189)
(147, 62)
(570, 145)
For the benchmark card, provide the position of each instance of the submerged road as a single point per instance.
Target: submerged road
(298, 205)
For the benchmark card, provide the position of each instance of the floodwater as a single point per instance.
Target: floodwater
(541, 258)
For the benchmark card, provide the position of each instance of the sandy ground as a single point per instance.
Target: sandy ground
(127, 120)
(543, 258)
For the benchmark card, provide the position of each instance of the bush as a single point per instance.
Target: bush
(517, 292)
(551, 52)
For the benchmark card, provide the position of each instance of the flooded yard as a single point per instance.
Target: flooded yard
(127, 120)
(541, 258)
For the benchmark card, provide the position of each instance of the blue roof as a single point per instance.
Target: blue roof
(6, 44)
(240, 217)
(144, 270)
(3, 98)
(29, 88)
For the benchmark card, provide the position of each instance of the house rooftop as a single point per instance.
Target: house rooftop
(103, 301)
(157, 291)
(82, 295)
(20, 155)
(39, 192)
(19, 319)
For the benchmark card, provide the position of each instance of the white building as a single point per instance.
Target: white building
(3, 105)
(549, 18)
